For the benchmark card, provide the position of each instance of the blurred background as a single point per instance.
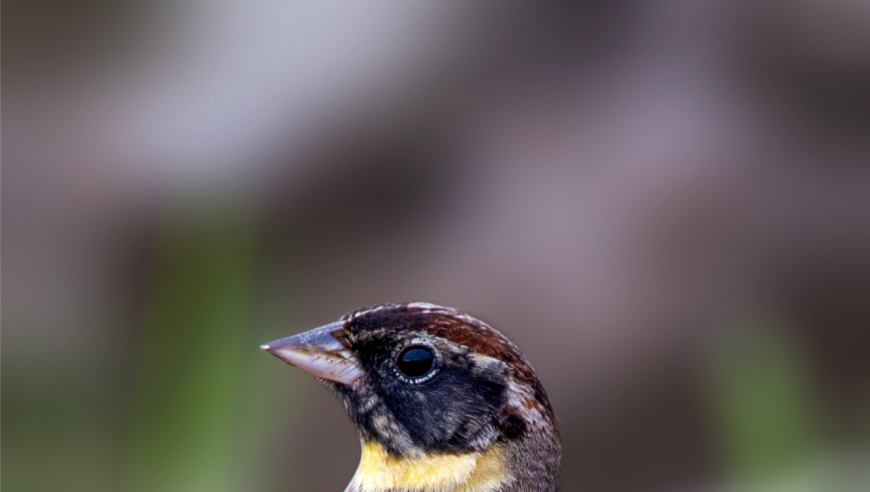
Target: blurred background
(665, 203)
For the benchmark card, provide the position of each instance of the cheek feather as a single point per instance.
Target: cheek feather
(468, 472)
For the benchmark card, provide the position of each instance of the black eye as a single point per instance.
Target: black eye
(416, 361)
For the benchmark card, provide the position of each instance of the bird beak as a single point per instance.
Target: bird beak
(319, 353)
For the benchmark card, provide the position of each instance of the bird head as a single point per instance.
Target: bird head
(442, 401)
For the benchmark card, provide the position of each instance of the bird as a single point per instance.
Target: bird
(442, 402)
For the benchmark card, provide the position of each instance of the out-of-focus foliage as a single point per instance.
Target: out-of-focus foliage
(188, 386)
(763, 402)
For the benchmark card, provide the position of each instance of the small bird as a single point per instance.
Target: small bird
(442, 401)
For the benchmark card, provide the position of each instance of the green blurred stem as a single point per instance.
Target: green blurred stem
(763, 408)
(191, 354)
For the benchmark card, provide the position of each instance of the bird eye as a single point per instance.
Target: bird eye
(415, 362)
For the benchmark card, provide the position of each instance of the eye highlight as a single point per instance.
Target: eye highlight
(416, 361)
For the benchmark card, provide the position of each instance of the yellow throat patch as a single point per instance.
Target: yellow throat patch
(470, 472)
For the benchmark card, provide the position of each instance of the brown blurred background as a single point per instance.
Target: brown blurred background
(666, 204)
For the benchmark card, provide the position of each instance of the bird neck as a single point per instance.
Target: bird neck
(476, 471)
(485, 471)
